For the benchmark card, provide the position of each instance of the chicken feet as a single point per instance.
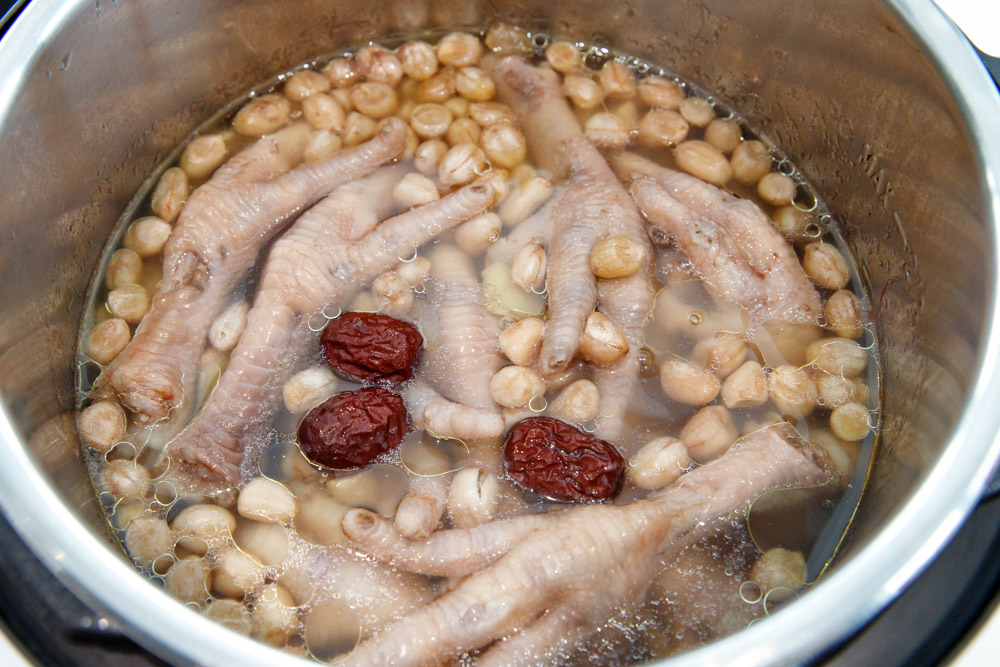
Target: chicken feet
(539, 584)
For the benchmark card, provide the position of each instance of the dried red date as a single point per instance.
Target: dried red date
(372, 347)
(352, 428)
(561, 462)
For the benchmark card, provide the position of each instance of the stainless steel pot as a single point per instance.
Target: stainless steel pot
(883, 105)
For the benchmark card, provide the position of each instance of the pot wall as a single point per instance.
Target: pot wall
(846, 88)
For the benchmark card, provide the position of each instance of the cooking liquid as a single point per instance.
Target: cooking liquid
(329, 586)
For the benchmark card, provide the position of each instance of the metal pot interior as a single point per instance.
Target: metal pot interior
(898, 143)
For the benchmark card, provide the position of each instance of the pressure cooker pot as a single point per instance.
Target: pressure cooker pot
(883, 106)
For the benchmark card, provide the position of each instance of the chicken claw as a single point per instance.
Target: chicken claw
(539, 584)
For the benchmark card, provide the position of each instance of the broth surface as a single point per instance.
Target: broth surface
(266, 553)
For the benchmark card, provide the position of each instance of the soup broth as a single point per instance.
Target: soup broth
(480, 216)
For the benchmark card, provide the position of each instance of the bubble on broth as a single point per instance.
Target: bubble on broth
(751, 592)
(332, 629)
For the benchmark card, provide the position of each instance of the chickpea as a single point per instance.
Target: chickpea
(792, 391)
(515, 386)
(147, 539)
(686, 383)
(724, 133)
(343, 98)
(358, 129)
(850, 422)
(459, 49)
(525, 200)
(364, 302)
(458, 106)
(659, 463)
(463, 131)
(474, 84)
(709, 433)
(835, 390)
(661, 93)
(583, 92)
(704, 161)
(779, 568)
(478, 234)
(125, 267)
(430, 120)
(504, 145)
(722, 353)
(324, 112)
(418, 60)
(521, 341)
(322, 145)
(629, 112)
(393, 294)
(696, 111)
(198, 525)
(235, 574)
(227, 328)
(230, 613)
(107, 340)
(437, 88)
(564, 57)
(203, 156)
(307, 389)
(607, 130)
(616, 257)
(461, 164)
(274, 619)
(415, 189)
(750, 162)
(473, 498)
(746, 387)
(842, 461)
(505, 39)
(843, 314)
(428, 155)
(823, 263)
(662, 128)
(791, 222)
(129, 302)
(617, 80)
(263, 499)
(263, 540)
(147, 236)
(188, 580)
(101, 425)
(528, 267)
(343, 72)
(839, 356)
(303, 84)
(602, 341)
(379, 65)
(491, 113)
(373, 99)
(170, 194)
(577, 403)
(776, 189)
(124, 479)
(758, 421)
(415, 272)
(263, 115)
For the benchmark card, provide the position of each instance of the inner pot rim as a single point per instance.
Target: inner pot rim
(86, 564)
